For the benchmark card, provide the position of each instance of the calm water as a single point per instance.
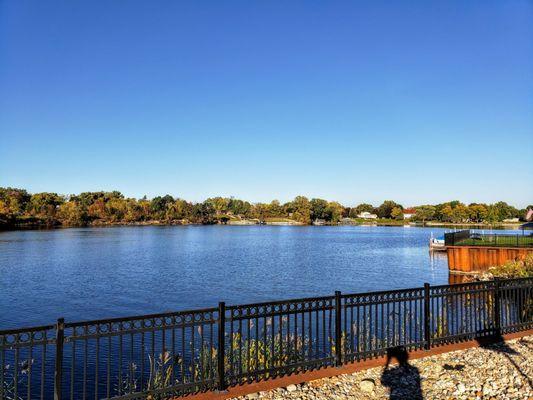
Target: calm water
(106, 272)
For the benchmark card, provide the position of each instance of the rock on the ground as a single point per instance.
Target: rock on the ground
(502, 371)
(367, 385)
(292, 388)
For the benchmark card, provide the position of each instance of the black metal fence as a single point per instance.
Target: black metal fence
(166, 355)
(454, 238)
(471, 238)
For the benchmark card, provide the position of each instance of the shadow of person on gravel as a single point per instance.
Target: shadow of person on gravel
(402, 380)
(497, 343)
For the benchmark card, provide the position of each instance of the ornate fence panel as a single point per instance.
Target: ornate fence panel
(461, 312)
(374, 322)
(266, 340)
(161, 356)
(27, 358)
(516, 304)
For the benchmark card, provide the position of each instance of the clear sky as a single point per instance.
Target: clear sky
(416, 101)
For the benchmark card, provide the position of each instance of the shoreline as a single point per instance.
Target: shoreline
(39, 227)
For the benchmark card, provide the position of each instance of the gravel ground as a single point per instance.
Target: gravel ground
(497, 372)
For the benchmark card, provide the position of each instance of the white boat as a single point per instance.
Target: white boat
(437, 244)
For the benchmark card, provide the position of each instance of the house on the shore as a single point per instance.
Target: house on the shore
(319, 222)
(409, 212)
(366, 215)
(511, 220)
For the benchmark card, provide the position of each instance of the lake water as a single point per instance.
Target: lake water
(91, 273)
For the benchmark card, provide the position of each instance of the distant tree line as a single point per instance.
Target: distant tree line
(20, 208)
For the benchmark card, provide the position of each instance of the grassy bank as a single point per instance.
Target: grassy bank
(499, 241)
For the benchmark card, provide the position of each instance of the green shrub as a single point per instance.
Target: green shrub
(515, 268)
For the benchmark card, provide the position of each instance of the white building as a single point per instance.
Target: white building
(408, 213)
(367, 215)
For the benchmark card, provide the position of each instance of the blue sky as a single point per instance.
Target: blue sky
(419, 102)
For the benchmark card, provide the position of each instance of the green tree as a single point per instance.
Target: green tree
(492, 214)
(203, 213)
(397, 213)
(14, 202)
(505, 211)
(72, 213)
(134, 211)
(260, 211)
(477, 212)
(44, 206)
(240, 207)
(459, 213)
(319, 209)
(219, 204)
(334, 211)
(158, 206)
(385, 209)
(116, 209)
(446, 213)
(424, 213)
(179, 210)
(4, 214)
(17, 206)
(300, 209)
(275, 209)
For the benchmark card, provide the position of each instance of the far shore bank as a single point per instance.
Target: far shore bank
(274, 222)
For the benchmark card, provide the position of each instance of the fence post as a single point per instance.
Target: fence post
(338, 333)
(497, 311)
(427, 332)
(58, 371)
(221, 346)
